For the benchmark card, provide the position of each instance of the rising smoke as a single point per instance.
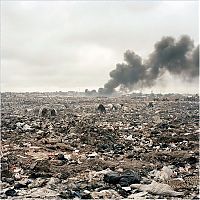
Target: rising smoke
(177, 57)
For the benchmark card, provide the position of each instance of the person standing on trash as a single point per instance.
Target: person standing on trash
(101, 108)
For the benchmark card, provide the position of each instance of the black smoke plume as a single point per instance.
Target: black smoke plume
(177, 57)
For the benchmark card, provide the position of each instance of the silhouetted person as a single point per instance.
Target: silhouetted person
(114, 107)
(101, 108)
(53, 112)
(150, 105)
(44, 112)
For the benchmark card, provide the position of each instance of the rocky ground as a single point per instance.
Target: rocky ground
(136, 150)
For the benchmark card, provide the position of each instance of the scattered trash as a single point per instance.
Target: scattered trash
(37, 183)
(157, 188)
(165, 173)
(106, 194)
(137, 195)
(54, 146)
(92, 155)
(125, 179)
(11, 192)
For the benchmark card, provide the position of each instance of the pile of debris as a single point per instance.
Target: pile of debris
(99, 148)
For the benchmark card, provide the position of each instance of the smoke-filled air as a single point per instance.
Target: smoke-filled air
(179, 57)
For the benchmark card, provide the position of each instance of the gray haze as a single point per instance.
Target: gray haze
(48, 46)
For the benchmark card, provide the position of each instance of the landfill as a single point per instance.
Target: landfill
(82, 147)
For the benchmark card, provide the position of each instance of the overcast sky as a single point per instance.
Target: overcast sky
(49, 46)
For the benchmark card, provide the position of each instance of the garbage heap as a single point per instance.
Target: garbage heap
(139, 149)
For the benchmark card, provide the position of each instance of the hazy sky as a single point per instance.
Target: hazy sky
(73, 45)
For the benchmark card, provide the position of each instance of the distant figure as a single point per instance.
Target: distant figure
(44, 112)
(114, 107)
(101, 108)
(53, 112)
(150, 105)
(156, 99)
(48, 112)
(165, 99)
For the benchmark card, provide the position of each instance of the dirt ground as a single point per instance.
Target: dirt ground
(83, 153)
